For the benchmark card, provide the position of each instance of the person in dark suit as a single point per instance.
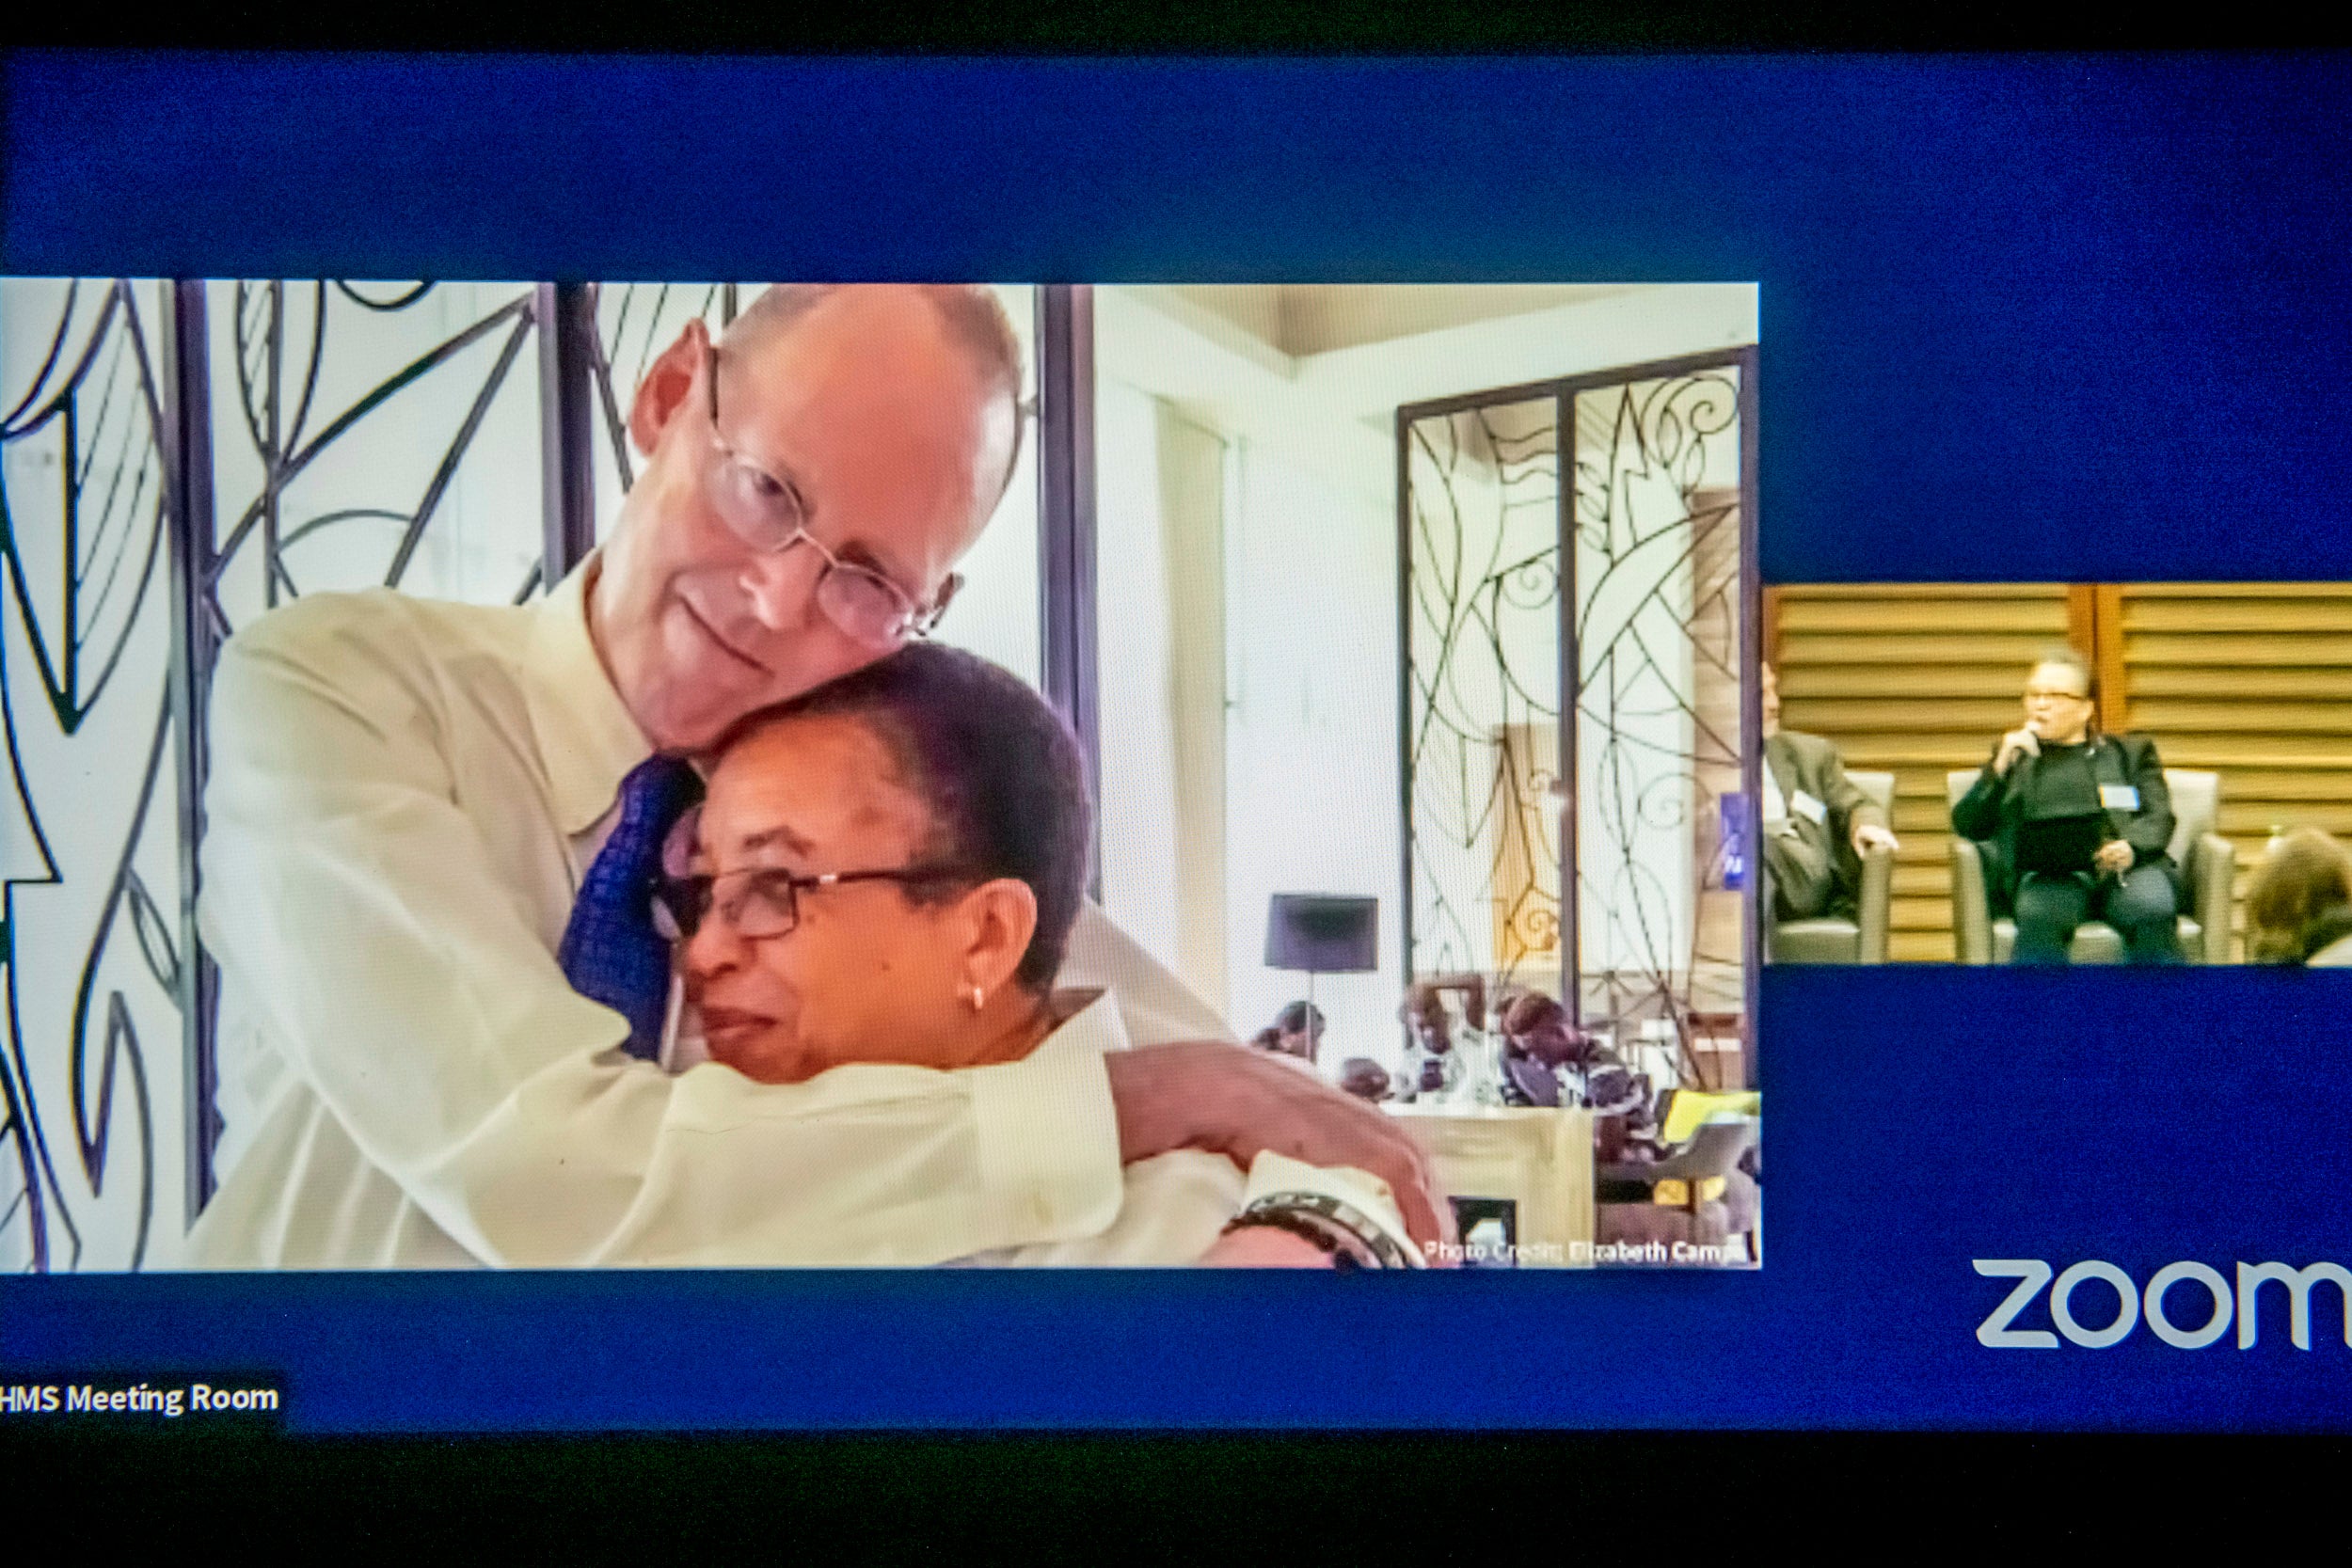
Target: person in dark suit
(1818, 824)
(2077, 824)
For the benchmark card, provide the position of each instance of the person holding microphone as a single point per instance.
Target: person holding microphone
(2077, 823)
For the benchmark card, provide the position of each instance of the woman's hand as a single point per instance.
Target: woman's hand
(2114, 857)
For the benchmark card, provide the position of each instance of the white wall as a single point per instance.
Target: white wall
(1161, 632)
(997, 613)
(1311, 742)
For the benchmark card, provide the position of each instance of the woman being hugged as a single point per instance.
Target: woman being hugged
(883, 877)
(2079, 823)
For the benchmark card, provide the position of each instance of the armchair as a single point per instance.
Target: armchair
(1709, 1198)
(2208, 864)
(1835, 938)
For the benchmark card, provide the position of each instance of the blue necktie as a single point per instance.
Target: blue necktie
(610, 951)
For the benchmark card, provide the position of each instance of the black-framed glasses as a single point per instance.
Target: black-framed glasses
(764, 902)
(769, 515)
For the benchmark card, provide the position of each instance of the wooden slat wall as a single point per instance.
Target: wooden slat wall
(2252, 680)
(1914, 680)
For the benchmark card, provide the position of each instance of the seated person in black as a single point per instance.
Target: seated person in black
(2077, 822)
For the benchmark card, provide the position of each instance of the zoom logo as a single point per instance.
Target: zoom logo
(2207, 1302)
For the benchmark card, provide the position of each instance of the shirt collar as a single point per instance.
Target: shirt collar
(1090, 1021)
(587, 739)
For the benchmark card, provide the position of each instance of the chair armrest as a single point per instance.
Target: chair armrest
(1870, 911)
(2217, 884)
(1972, 912)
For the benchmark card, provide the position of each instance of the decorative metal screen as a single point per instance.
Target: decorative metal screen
(92, 953)
(1483, 657)
(635, 322)
(181, 457)
(1631, 586)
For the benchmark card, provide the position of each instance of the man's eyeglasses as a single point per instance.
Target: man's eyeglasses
(768, 515)
(2036, 693)
(762, 901)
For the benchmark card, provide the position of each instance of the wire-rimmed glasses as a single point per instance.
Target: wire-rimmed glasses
(769, 515)
(762, 901)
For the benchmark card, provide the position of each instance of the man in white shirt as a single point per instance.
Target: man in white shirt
(405, 795)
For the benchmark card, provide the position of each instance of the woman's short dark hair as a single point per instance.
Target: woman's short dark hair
(999, 769)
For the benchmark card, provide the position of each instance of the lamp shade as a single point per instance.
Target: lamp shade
(1322, 933)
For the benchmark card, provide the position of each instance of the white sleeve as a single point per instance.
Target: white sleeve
(1177, 1205)
(1155, 1005)
(1271, 1173)
(358, 909)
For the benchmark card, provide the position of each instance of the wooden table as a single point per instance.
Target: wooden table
(1539, 1159)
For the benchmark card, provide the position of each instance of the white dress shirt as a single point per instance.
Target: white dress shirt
(1776, 805)
(403, 795)
(1176, 1204)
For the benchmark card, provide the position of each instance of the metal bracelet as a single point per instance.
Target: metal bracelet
(1292, 1221)
(1385, 1251)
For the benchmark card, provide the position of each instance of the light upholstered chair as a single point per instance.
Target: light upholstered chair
(1833, 939)
(2208, 863)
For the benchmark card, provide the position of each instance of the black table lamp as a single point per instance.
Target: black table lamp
(1323, 934)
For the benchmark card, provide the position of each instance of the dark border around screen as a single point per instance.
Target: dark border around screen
(2035, 319)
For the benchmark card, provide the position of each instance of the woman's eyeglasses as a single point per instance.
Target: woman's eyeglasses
(768, 515)
(762, 901)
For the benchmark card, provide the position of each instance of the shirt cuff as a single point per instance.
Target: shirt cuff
(1361, 1191)
(1048, 1146)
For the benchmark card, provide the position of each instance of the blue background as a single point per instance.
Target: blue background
(2024, 319)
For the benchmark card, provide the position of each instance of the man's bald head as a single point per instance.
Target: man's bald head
(970, 314)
